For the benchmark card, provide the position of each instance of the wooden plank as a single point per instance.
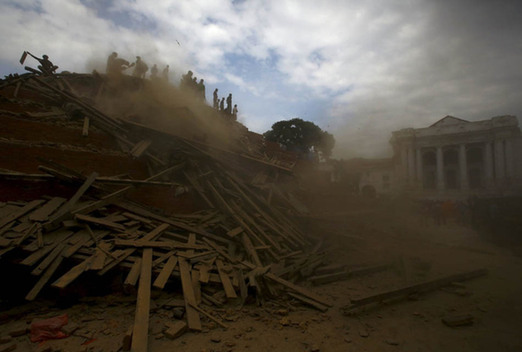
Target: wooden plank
(144, 212)
(140, 148)
(165, 273)
(193, 319)
(20, 212)
(157, 244)
(418, 288)
(127, 252)
(134, 273)
(162, 258)
(219, 322)
(225, 280)
(72, 274)
(85, 128)
(203, 272)
(49, 259)
(93, 220)
(234, 232)
(300, 290)
(100, 256)
(196, 285)
(320, 307)
(42, 213)
(44, 279)
(243, 289)
(62, 213)
(141, 320)
(251, 250)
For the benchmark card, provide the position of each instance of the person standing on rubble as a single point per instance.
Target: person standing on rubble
(140, 68)
(165, 73)
(111, 62)
(229, 104)
(222, 105)
(154, 72)
(215, 103)
(234, 112)
(201, 89)
(46, 66)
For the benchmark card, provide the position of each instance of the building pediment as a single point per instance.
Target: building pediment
(449, 121)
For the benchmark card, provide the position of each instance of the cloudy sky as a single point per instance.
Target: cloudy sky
(357, 68)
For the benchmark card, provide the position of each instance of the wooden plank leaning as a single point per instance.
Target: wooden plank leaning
(141, 320)
(193, 319)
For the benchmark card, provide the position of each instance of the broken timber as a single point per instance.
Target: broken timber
(413, 289)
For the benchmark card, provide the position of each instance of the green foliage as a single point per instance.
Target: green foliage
(301, 136)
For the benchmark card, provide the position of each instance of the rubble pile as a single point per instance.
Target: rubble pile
(213, 221)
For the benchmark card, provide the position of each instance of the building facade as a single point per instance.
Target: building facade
(455, 157)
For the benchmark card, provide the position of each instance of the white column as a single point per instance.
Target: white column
(440, 170)
(488, 164)
(499, 162)
(463, 167)
(419, 167)
(509, 159)
(404, 164)
(411, 165)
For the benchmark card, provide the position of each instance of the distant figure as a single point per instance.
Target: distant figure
(216, 99)
(140, 68)
(201, 89)
(165, 73)
(234, 112)
(154, 72)
(186, 80)
(110, 62)
(46, 66)
(229, 104)
(222, 104)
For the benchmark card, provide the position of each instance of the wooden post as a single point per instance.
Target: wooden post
(141, 321)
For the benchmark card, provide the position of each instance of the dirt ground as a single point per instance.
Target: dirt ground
(356, 234)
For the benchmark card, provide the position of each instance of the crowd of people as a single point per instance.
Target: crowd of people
(117, 65)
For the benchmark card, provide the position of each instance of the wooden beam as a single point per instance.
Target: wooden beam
(418, 288)
(225, 280)
(165, 273)
(141, 321)
(193, 319)
(300, 290)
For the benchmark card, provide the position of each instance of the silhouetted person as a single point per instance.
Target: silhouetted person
(165, 73)
(110, 62)
(229, 104)
(216, 99)
(234, 112)
(222, 104)
(154, 72)
(201, 88)
(186, 80)
(140, 68)
(46, 66)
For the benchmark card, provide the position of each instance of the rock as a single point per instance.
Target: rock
(458, 320)
(284, 321)
(215, 338)
(347, 340)
(178, 312)
(70, 328)
(175, 329)
(392, 342)
(363, 333)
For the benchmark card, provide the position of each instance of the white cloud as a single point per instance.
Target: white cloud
(382, 65)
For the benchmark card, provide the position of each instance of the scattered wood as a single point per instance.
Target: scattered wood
(413, 289)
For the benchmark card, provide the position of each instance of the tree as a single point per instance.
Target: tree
(301, 136)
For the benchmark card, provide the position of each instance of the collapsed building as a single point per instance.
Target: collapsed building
(99, 175)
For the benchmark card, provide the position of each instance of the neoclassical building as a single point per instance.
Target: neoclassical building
(455, 157)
